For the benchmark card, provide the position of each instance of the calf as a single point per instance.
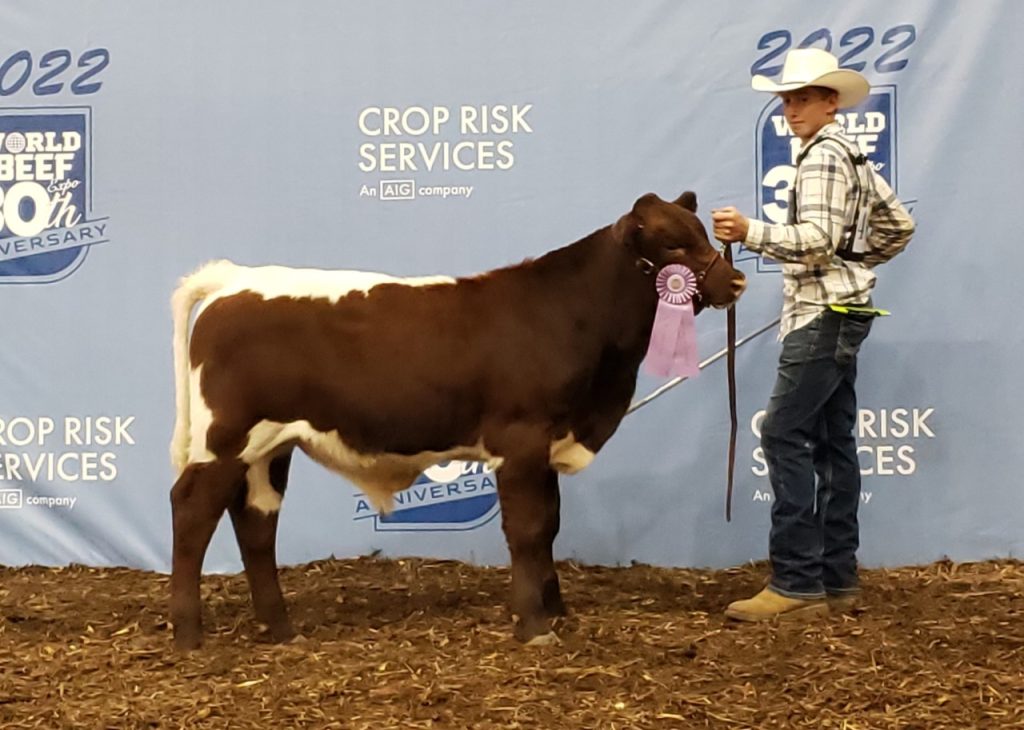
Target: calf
(355, 369)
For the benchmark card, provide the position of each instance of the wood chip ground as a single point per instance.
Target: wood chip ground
(426, 644)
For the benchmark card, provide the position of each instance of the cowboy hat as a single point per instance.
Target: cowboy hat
(815, 67)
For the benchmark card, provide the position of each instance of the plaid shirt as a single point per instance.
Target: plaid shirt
(813, 276)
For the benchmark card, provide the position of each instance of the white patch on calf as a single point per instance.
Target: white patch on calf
(379, 476)
(495, 462)
(568, 456)
(262, 496)
(282, 281)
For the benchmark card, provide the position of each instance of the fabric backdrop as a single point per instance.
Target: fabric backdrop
(141, 139)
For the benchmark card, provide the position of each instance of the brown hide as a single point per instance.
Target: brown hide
(554, 342)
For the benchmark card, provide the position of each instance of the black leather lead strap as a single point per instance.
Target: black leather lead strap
(730, 319)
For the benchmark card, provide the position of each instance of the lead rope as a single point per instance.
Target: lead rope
(730, 351)
(730, 327)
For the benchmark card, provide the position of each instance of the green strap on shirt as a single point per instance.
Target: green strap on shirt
(849, 309)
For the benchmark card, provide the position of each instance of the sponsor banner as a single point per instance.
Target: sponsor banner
(436, 149)
(889, 446)
(358, 141)
(46, 461)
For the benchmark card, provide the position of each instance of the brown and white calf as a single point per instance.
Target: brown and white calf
(354, 368)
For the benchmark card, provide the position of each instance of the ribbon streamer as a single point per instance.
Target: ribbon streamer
(672, 351)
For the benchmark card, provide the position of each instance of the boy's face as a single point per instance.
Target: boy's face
(809, 109)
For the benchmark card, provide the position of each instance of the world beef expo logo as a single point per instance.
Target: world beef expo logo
(47, 224)
(450, 496)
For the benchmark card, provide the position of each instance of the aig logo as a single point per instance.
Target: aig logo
(11, 499)
(871, 124)
(397, 189)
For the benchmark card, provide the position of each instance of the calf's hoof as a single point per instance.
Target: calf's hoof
(535, 632)
(278, 633)
(187, 639)
(548, 639)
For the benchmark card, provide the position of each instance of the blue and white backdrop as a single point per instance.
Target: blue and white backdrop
(140, 139)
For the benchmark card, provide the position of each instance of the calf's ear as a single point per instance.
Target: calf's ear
(688, 200)
(626, 228)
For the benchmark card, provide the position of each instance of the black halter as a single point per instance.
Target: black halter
(648, 267)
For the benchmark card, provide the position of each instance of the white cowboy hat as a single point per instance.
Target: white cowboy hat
(815, 67)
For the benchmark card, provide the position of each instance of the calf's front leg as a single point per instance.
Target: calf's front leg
(528, 491)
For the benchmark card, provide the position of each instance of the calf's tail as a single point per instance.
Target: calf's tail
(191, 290)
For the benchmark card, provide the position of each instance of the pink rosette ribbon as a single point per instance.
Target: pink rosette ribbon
(673, 348)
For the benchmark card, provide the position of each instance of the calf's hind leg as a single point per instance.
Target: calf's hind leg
(256, 533)
(198, 500)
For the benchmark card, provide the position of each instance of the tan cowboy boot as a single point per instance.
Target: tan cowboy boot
(768, 604)
(843, 602)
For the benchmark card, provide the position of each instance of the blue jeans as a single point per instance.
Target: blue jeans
(808, 432)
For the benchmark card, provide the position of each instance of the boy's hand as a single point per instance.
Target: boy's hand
(730, 225)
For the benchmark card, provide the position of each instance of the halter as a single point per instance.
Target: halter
(648, 267)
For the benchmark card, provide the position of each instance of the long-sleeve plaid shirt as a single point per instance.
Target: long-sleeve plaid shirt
(813, 276)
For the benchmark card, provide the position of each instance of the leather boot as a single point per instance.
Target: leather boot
(768, 605)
